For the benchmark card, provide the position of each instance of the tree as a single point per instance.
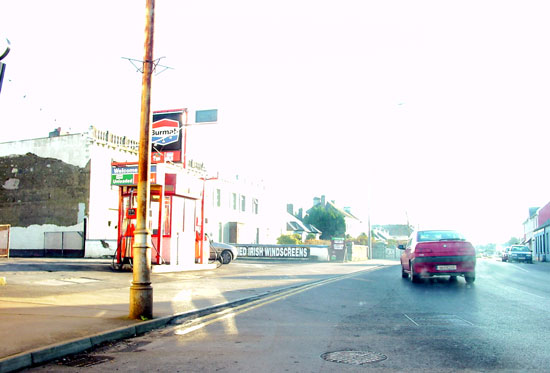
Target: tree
(329, 221)
(513, 241)
(287, 239)
(362, 239)
(310, 236)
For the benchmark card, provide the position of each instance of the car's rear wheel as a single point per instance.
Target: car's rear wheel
(414, 277)
(403, 273)
(470, 277)
(225, 257)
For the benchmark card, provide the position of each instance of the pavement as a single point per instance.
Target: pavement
(52, 308)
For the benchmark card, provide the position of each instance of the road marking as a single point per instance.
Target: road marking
(201, 322)
(436, 319)
(411, 320)
(523, 291)
(523, 269)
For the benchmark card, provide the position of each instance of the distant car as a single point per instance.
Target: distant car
(430, 253)
(222, 252)
(505, 254)
(520, 253)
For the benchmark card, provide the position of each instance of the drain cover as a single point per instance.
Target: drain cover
(354, 357)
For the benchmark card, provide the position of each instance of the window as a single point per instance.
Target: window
(243, 203)
(234, 201)
(220, 232)
(218, 197)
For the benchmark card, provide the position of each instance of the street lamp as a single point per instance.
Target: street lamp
(3, 65)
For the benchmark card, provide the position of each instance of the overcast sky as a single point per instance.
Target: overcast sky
(432, 110)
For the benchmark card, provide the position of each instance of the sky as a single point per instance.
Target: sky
(428, 112)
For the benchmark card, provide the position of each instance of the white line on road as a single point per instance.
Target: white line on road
(201, 322)
(518, 267)
(411, 320)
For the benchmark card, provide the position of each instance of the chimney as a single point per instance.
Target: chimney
(290, 208)
(316, 201)
(323, 200)
(55, 133)
(300, 213)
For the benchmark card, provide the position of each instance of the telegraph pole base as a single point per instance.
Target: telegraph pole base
(141, 301)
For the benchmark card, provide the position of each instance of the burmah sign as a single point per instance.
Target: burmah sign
(166, 136)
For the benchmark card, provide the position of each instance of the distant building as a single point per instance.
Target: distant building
(541, 235)
(295, 225)
(240, 211)
(529, 227)
(397, 232)
(354, 225)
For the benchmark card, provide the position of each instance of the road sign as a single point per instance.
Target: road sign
(206, 116)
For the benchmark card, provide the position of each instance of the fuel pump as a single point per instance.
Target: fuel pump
(126, 227)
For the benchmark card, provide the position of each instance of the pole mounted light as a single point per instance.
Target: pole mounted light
(141, 291)
(3, 65)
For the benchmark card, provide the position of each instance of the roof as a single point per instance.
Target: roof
(533, 211)
(294, 224)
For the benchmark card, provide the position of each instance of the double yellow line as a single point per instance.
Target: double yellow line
(201, 322)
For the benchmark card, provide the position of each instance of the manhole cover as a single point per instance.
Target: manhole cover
(353, 357)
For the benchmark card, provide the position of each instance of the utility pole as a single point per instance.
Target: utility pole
(141, 291)
(370, 241)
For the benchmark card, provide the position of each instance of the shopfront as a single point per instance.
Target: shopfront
(174, 214)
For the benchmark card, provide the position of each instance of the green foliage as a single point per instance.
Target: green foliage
(513, 241)
(362, 239)
(318, 242)
(287, 239)
(329, 221)
(310, 236)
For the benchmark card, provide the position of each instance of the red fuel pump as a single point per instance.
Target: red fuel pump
(127, 225)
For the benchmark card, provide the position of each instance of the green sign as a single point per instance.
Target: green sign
(124, 179)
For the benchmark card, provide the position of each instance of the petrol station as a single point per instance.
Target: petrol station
(176, 213)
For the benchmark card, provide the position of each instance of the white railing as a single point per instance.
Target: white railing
(111, 139)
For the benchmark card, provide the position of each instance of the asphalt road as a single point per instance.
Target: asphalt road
(368, 321)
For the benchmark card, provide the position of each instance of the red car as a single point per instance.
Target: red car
(438, 253)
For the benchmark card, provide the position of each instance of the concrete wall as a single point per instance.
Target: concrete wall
(31, 238)
(38, 191)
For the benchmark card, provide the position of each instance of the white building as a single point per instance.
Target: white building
(240, 210)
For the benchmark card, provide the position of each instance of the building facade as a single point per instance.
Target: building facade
(241, 210)
(541, 245)
(59, 198)
(58, 193)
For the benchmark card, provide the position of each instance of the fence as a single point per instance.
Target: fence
(64, 244)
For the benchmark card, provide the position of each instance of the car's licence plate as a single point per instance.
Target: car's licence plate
(446, 268)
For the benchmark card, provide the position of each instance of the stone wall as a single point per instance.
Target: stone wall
(40, 191)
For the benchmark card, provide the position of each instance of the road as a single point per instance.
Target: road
(374, 318)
